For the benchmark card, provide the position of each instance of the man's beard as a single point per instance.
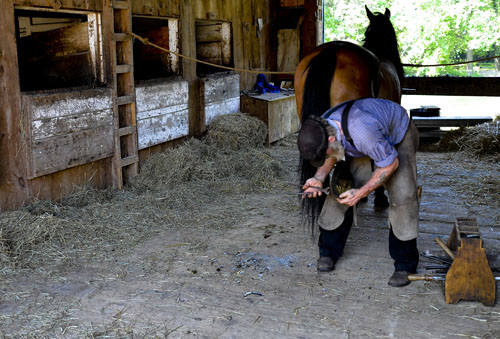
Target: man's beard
(338, 151)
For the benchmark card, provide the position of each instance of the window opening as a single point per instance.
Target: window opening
(58, 50)
(151, 62)
(213, 45)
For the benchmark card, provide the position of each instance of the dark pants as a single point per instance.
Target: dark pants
(331, 244)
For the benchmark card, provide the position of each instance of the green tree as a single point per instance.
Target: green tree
(429, 31)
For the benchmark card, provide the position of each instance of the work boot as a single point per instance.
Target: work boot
(399, 279)
(325, 264)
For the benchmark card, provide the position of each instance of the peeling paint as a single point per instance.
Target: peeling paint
(162, 112)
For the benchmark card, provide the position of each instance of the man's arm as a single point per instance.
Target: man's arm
(379, 177)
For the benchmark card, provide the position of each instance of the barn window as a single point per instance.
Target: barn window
(151, 62)
(213, 45)
(58, 50)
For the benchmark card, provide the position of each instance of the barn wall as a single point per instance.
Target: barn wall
(57, 138)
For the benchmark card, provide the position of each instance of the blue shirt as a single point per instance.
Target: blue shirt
(375, 126)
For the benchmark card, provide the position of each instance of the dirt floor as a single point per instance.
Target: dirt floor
(238, 264)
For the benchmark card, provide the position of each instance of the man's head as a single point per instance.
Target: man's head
(319, 140)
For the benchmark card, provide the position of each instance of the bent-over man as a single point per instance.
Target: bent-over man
(375, 140)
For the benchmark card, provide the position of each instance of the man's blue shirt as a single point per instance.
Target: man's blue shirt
(375, 126)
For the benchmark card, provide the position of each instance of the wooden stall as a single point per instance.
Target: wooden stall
(82, 102)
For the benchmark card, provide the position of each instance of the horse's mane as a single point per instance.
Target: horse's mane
(381, 40)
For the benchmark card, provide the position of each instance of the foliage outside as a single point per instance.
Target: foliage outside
(429, 32)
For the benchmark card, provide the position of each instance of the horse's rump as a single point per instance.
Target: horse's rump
(333, 73)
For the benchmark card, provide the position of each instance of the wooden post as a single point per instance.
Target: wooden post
(188, 41)
(309, 36)
(13, 135)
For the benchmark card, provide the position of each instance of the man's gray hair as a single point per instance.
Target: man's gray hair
(333, 130)
(336, 146)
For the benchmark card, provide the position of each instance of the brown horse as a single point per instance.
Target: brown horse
(338, 71)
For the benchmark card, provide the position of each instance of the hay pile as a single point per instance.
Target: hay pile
(232, 152)
(478, 141)
(198, 184)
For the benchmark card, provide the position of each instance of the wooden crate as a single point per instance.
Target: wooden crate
(277, 110)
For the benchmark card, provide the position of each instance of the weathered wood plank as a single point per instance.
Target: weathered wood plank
(220, 87)
(169, 8)
(90, 5)
(51, 127)
(210, 52)
(61, 152)
(162, 112)
(449, 121)
(158, 129)
(220, 108)
(69, 129)
(465, 86)
(13, 169)
(70, 103)
(208, 33)
(288, 49)
(158, 95)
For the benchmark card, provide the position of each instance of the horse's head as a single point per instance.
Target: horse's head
(380, 28)
(380, 38)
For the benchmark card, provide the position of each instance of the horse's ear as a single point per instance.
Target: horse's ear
(369, 13)
(387, 13)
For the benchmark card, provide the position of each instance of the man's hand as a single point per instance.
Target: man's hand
(378, 178)
(309, 189)
(350, 197)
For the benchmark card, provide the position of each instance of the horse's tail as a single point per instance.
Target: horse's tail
(320, 71)
(315, 101)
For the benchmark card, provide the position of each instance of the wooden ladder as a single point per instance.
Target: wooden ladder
(126, 158)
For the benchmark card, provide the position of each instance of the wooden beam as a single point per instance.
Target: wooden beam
(13, 167)
(465, 86)
(60, 5)
(188, 46)
(309, 27)
(449, 121)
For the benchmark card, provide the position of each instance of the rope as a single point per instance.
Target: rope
(452, 64)
(147, 42)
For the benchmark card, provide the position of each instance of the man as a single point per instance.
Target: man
(380, 143)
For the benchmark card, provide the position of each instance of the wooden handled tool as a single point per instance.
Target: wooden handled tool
(425, 277)
(435, 277)
(444, 247)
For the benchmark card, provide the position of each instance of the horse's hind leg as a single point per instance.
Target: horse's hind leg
(381, 200)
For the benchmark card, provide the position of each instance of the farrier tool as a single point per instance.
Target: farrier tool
(317, 188)
(470, 276)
